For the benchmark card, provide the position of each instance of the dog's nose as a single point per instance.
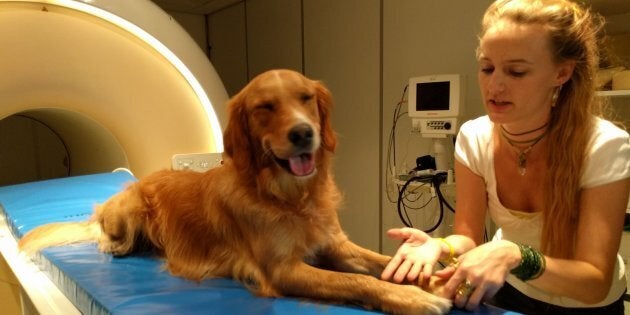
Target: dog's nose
(301, 135)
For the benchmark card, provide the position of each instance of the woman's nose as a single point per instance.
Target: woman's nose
(496, 82)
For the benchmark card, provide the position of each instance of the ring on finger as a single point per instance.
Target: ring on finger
(454, 263)
(465, 289)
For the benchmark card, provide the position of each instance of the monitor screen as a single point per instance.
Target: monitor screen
(433, 95)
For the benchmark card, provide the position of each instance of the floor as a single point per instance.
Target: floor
(9, 290)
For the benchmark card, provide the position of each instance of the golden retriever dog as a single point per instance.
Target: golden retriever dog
(267, 217)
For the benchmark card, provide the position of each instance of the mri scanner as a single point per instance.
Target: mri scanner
(120, 83)
(89, 88)
(92, 86)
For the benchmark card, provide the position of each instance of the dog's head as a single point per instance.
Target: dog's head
(280, 119)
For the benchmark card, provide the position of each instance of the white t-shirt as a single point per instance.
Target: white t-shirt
(608, 161)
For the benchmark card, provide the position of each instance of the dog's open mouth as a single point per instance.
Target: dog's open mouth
(299, 165)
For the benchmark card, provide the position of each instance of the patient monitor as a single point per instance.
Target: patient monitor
(94, 85)
(434, 104)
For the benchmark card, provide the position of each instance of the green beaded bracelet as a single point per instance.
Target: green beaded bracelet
(532, 264)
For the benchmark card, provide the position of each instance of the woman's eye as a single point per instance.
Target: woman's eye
(517, 74)
(487, 70)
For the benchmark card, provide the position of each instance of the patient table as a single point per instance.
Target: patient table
(97, 283)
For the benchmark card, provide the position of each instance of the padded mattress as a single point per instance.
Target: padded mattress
(98, 283)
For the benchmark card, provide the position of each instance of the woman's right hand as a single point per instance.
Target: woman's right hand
(484, 268)
(415, 258)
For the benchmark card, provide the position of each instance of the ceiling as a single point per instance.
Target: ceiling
(195, 6)
(605, 7)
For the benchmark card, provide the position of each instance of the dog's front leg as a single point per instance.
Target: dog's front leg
(300, 279)
(344, 255)
(347, 256)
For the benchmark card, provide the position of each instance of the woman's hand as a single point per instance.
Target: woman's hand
(480, 273)
(415, 257)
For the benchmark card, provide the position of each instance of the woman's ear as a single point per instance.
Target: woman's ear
(324, 106)
(565, 71)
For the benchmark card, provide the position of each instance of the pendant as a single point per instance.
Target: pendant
(522, 161)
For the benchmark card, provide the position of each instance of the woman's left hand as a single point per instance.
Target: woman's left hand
(415, 258)
(479, 273)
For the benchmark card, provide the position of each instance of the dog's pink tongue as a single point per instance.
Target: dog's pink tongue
(302, 165)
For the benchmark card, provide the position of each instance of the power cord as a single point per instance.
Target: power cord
(399, 112)
(436, 180)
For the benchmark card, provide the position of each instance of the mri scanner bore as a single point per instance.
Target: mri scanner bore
(30, 151)
(52, 143)
(91, 86)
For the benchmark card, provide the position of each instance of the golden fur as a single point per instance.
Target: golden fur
(267, 217)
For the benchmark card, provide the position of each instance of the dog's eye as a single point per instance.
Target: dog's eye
(265, 106)
(306, 97)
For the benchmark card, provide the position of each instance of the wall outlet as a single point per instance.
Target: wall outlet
(199, 162)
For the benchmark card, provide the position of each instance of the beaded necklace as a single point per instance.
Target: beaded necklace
(522, 153)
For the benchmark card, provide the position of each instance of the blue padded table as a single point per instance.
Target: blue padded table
(98, 283)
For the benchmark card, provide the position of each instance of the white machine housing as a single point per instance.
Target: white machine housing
(91, 86)
(434, 103)
(119, 82)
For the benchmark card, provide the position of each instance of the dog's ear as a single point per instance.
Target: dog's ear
(324, 106)
(236, 138)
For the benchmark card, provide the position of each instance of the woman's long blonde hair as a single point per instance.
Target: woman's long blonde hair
(573, 34)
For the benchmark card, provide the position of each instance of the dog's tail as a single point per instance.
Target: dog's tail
(58, 234)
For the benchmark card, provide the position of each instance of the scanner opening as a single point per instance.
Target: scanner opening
(50, 143)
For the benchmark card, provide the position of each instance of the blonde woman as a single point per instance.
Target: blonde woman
(551, 173)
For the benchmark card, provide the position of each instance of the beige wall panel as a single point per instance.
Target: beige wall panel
(274, 35)
(194, 24)
(422, 38)
(342, 48)
(228, 46)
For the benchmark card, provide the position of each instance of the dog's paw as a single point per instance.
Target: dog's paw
(409, 299)
(113, 247)
(435, 286)
(430, 303)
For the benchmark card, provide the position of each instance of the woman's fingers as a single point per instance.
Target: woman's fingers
(416, 270)
(391, 267)
(399, 234)
(427, 272)
(403, 270)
